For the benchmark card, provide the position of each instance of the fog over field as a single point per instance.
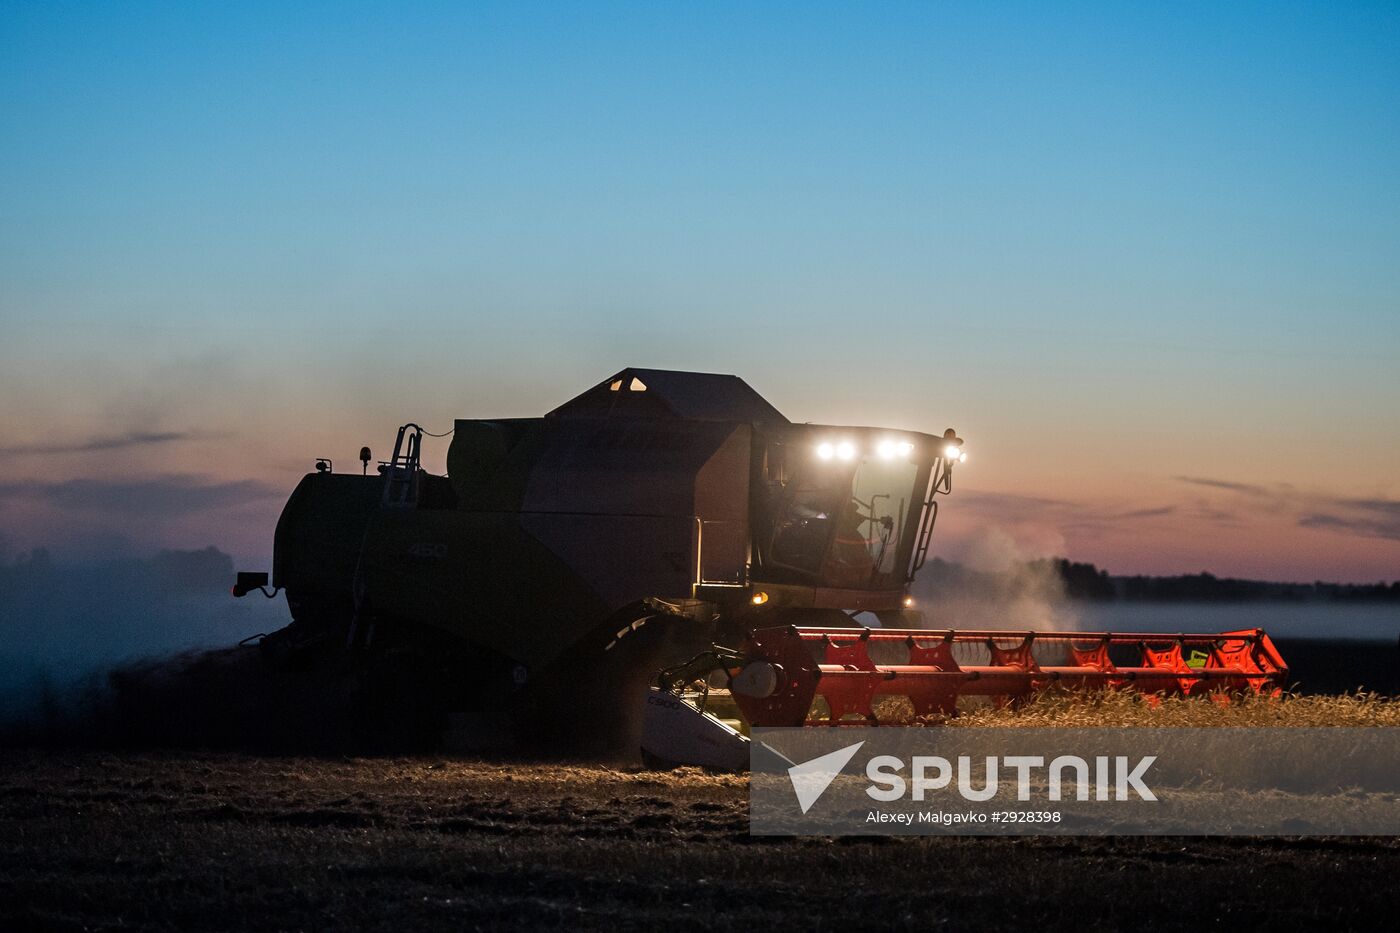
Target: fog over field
(62, 623)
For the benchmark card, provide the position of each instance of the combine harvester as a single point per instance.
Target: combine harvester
(674, 521)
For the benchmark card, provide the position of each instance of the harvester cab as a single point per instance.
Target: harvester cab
(842, 515)
(660, 520)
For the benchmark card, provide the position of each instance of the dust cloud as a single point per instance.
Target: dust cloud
(66, 625)
(1000, 586)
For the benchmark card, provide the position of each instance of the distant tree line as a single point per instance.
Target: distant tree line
(1086, 581)
(1081, 581)
(1054, 579)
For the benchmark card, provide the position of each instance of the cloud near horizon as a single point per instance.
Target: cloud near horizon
(108, 442)
(165, 496)
(1249, 489)
(1369, 518)
(1366, 518)
(1068, 514)
(1359, 517)
(1223, 526)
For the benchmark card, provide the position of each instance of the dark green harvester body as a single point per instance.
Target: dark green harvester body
(683, 497)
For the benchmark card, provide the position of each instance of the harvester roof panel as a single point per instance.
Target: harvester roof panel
(667, 393)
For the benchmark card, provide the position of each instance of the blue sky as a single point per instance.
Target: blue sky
(1114, 244)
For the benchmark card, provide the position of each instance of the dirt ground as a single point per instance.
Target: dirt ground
(97, 840)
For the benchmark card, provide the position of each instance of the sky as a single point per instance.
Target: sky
(1144, 258)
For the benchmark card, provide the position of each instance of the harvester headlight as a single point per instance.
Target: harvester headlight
(908, 602)
(905, 448)
(759, 598)
(825, 450)
(887, 450)
(845, 451)
(951, 452)
(962, 456)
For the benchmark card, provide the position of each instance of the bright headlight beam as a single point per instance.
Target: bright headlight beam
(951, 452)
(825, 451)
(846, 450)
(887, 450)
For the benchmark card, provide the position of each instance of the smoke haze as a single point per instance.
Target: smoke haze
(63, 623)
(1002, 585)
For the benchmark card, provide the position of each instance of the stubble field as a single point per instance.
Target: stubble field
(102, 840)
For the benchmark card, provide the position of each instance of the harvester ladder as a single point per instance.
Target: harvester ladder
(940, 481)
(401, 472)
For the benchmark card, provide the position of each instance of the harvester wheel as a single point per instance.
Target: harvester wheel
(408, 686)
(590, 702)
(391, 711)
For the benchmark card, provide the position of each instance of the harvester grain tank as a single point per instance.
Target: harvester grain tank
(673, 521)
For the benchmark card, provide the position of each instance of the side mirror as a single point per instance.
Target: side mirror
(364, 460)
(247, 582)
